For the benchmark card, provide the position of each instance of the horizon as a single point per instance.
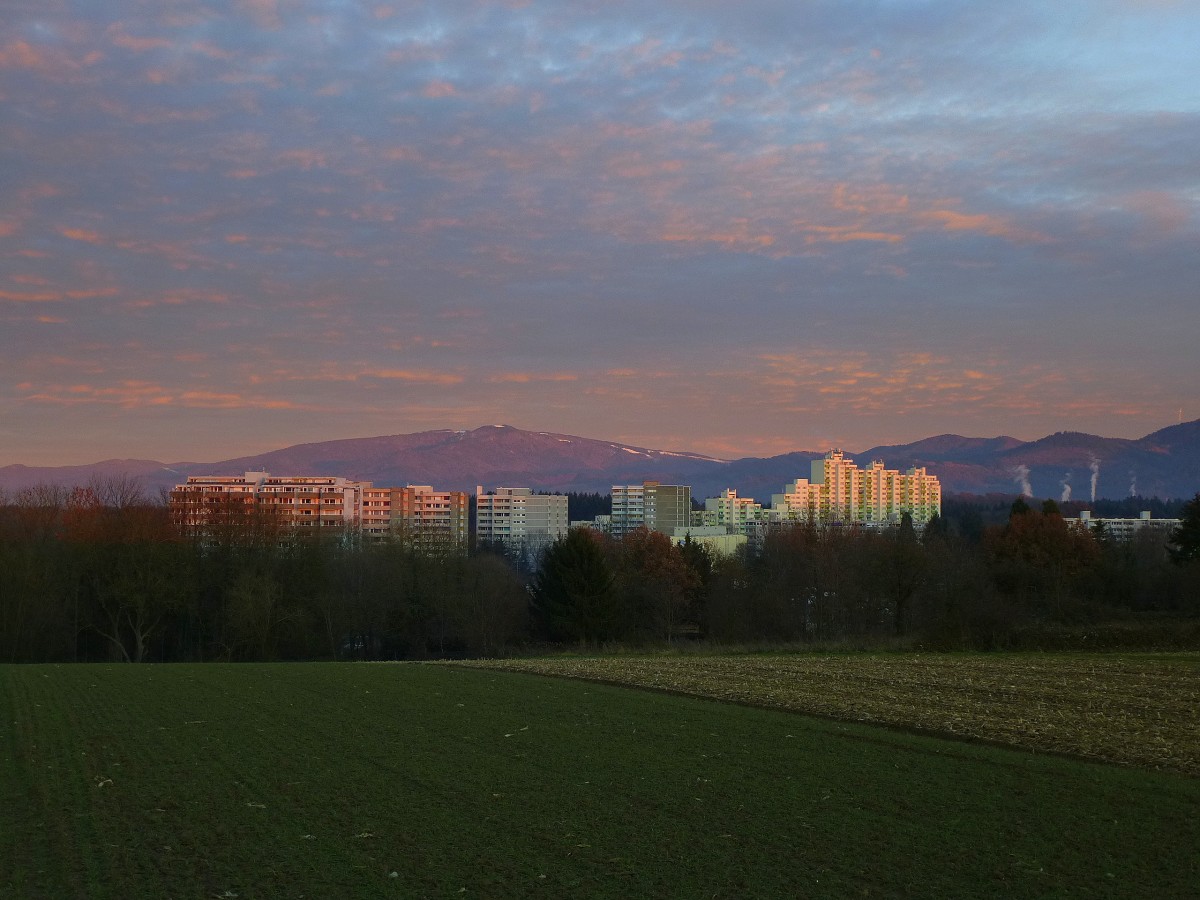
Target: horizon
(234, 227)
(670, 450)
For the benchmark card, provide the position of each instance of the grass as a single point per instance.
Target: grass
(330, 780)
(1139, 709)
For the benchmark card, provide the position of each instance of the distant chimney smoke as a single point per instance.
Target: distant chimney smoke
(1066, 486)
(1021, 477)
(1095, 467)
(1133, 484)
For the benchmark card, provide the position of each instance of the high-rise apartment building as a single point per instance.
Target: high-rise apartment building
(737, 514)
(416, 513)
(523, 521)
(307, 503)
(258, 499)
(839, 491)
(659, 507)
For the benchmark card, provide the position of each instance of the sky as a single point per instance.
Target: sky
(734, 229)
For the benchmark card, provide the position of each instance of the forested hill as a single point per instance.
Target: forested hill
(1164, 464)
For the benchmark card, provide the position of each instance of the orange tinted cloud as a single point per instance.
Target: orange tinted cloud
(80, 234)
(137, 44)
(55, 296)
(740, 235)
(869, 199)
(531, 377)
(815, 234)
(21, 55)
(437, 89)
(982, 223)
(135, 394)
(420, 376)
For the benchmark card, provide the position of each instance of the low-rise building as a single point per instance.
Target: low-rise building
(1125, 529)
(717, 539)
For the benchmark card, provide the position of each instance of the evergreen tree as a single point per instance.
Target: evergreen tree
(573, 594)
(1185, 539)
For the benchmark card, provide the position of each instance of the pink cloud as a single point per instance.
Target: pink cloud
(982, 223)
(419, 376)
(21, 55)
(870, 199)
(127, 41)
(840, 235)
(1161, 210)
(80, 234)
(438, 89)
(136, 394)
(55, 296)
(302, 158)
(532, 377)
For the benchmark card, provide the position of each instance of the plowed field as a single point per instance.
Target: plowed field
(1138, 710)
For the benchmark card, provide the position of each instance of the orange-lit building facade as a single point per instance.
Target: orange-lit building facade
(415, 512)
(257, 498)
(839, 491)
(305, 504)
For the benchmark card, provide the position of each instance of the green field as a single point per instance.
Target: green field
(411, 780)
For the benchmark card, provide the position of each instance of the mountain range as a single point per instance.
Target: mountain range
(1164, 464)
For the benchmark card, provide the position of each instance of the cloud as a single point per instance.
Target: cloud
(81, 234)
(58, 296)
(982, 223)
(833, 223)
(436, 90)
(532, 377)
(21, 54)
(414, 376)
(135, 394)
(121, 38)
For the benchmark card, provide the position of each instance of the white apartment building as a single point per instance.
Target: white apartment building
(1125, 529)
(520, 519)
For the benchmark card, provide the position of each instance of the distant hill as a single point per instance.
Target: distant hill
(1164, 464)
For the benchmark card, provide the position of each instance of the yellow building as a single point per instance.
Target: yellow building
(728, 510)
(840, 492)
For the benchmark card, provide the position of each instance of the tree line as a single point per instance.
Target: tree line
(101, 573)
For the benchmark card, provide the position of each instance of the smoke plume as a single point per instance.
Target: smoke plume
(1095, 467)
(1066, 486)
(1133, 484)
(1021, 477)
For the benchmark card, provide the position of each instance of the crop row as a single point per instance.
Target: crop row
(1139, 711)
